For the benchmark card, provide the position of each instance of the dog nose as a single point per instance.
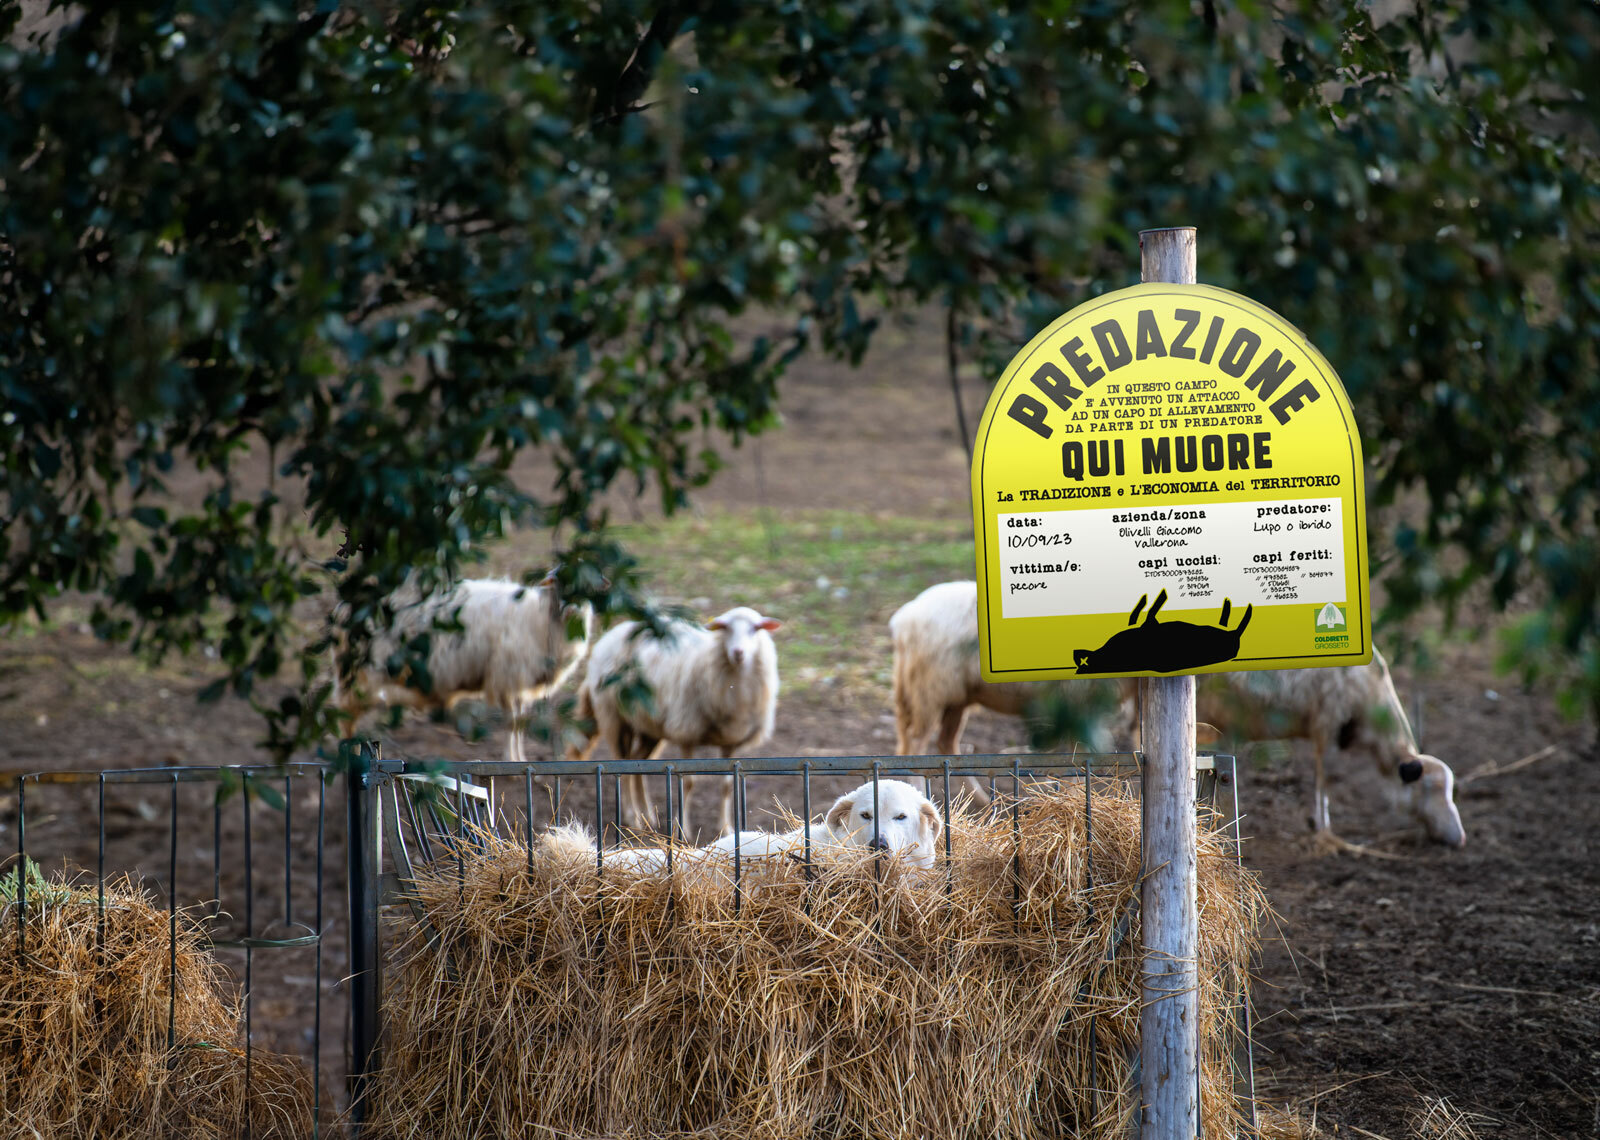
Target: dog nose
(879, 843)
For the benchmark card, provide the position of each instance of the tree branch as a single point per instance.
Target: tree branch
(641, 67)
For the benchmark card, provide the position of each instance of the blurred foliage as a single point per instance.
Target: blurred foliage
(390, 245)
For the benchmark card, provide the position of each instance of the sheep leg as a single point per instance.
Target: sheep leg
(1323, 840)
(1319, 793)
(685, 786)
(909, 731)
(635, 808)
(514, 751)
(638, 811)
(952, 721)
(685, 790)
(728, 786)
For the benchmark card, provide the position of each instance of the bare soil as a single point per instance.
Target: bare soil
(1410, 981)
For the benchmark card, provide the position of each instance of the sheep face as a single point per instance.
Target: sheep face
(742, 630)
(570, 616)
(906, 823)
(1429, 791)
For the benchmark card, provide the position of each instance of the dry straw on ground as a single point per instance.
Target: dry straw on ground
(873, 1000)
(83, 1030)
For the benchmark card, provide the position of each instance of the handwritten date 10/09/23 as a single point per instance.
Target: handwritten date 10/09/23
(1027, 540)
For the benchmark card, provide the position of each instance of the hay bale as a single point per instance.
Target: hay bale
(873, 1000)
(83, 1029)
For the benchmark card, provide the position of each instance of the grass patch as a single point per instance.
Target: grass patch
(832, 577)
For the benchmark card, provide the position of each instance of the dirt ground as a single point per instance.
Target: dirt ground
(1401, 993)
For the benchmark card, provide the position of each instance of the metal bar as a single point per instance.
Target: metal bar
(172, 926)
(877, 858)
(738, 822)
(186, 774)
(22, 869)
(672, 823)
(1016, 843)
(316, 1000)
(216, 852)
(599, 819)
(616, 804)
(365, 977)
(877, 831)
(1108, 763)
(100, 877)
(288, 849)
(805, 806)
(528, 789)
(1228, 781)
(949, 840)
(461, 841)
(418, 828)
(249, 955)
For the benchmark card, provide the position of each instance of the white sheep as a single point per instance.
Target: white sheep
(715, 687)
(1354, 708)
(512, 649)
(936, 674)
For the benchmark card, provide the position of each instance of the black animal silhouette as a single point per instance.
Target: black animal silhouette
(1164, 647)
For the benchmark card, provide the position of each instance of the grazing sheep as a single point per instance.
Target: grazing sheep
(512, 649)
(1354, 708)
(936, 674)
(715, 687)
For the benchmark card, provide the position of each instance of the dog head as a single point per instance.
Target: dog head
(1428, 790)
(900, 820)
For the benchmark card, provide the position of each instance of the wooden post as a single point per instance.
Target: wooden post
(1169, 1016)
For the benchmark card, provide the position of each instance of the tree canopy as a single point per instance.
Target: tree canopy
(395, 244)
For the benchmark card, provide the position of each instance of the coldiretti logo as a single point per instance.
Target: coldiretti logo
(1330, 619)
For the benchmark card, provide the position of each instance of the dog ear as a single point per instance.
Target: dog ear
(930, 815)
(839, 812)
(1410, 771)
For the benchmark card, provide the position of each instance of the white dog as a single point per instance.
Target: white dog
(902, 821)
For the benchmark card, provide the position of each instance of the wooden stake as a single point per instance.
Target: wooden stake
(1169, 1017)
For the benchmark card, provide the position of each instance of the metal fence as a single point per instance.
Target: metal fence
(390, 821)
(241, 855)
(285, 871)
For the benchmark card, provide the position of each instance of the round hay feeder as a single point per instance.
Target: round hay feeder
(994, 996)
(84, 1027)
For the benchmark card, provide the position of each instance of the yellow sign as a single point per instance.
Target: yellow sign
(1168, 480)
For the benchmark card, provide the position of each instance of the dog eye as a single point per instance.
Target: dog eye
(902, 815)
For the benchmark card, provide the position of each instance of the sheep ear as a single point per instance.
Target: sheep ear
(1206, 734)
(839, 812)
(715, 624)
(769, 624)
(935, 824)
(549, 578)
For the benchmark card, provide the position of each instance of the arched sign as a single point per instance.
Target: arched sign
(1168, 479)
